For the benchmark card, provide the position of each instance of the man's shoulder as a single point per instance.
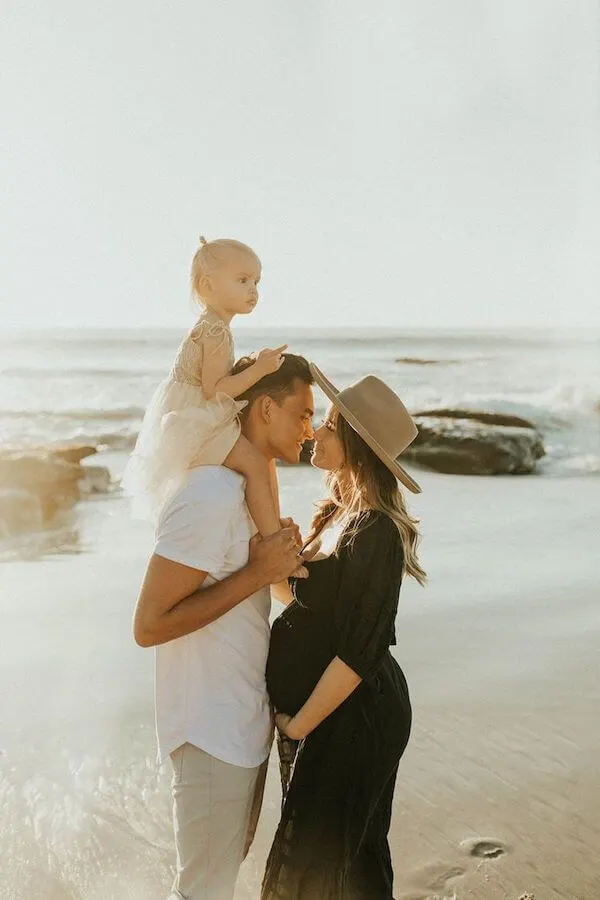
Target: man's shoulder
(209, 489)
(196, 525)
(213, 478)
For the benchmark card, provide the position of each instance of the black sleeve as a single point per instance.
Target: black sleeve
(369, 586)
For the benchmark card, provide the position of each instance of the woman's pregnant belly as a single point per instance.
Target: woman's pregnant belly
(299, 653)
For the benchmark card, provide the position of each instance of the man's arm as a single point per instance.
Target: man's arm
(173, 603)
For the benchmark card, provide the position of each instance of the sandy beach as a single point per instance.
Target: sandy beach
(499, 790)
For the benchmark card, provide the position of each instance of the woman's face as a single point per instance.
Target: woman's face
(328, 452)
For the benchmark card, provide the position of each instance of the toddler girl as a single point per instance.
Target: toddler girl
(192, 419)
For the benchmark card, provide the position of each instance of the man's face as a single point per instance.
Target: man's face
(290, 424)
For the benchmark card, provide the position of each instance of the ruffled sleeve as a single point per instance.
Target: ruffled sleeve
(367, 602)
(212, 335)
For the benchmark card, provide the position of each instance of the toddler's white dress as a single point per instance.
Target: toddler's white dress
(181, 427)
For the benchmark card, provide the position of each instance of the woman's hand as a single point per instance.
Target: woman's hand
(282, 721)
(311, 552)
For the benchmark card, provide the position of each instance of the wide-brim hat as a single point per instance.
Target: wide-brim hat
(378, 416)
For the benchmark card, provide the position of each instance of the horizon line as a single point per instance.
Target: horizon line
(8, 329)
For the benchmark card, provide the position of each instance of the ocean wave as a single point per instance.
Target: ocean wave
(556, 407)
(578, 464)
(30, 372)
(567, 397)
(115, 413)
(110, 441)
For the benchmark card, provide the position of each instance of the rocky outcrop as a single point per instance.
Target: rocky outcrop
(37, 484)
(466, 442)
(485, 417)
(72, 453)
(20, 511)
(421, 361)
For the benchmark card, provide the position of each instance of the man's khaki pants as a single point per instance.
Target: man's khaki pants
(215, 812)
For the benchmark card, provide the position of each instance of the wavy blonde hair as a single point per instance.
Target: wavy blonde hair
(209, 256)
(365, 483)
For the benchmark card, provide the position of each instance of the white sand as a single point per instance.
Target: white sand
(501, 655)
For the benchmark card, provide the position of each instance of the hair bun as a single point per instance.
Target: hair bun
(203, 240)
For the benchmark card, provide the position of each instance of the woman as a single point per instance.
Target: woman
(332, 680)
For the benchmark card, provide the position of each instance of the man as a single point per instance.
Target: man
(205, 605)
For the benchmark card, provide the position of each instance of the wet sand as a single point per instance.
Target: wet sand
(499, 790)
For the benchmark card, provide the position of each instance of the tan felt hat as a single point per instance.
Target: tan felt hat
(378, 416)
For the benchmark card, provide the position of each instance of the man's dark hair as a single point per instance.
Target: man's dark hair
(279, 384)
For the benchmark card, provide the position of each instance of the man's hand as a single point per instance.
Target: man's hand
(274, 558)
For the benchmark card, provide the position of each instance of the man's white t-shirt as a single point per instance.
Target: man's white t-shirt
(210, 684)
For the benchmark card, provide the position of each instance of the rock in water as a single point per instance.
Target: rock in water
(71, 452)
(474, 445)
(20, 511)
(487, 418)
(54, 482)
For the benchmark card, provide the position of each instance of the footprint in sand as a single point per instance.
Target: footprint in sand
(484, 848)
(431, 882)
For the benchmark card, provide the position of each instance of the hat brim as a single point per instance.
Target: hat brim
(333, 393)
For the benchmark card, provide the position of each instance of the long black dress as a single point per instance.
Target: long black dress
(331, 843)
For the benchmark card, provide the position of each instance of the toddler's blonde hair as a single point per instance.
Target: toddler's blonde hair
(210, 255)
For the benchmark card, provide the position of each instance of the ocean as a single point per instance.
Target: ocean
(503, 636)
(93, 386)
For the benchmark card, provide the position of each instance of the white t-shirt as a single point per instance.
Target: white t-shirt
(210, 684)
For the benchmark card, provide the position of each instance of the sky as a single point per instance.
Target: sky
(409, 163)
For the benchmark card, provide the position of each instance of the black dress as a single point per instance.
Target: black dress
(331, 843)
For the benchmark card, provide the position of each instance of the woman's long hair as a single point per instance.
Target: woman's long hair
(365, 483)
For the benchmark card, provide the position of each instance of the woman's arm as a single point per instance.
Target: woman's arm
(336, 684)
(365, 610)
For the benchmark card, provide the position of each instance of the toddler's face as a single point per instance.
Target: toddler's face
(235, 283)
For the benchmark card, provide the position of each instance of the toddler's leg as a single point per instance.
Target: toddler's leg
(275, 486)
(264, 507)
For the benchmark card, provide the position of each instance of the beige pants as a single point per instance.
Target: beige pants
(215, 812)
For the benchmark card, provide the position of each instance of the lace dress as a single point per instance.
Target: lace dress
(331, 842)
(181, 427)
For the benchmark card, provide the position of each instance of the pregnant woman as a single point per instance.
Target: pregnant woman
(341, 700)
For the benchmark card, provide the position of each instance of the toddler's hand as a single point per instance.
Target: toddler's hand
(301, 571)
(269, 361)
